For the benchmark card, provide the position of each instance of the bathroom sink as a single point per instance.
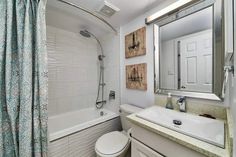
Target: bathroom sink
(204, 129)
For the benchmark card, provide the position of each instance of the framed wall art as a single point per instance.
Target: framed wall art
(135, 43)
(136, 76)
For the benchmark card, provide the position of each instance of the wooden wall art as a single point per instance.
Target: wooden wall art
(136, 76)
(135, 43)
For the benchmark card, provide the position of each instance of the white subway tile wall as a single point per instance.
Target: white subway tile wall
(73, 71)
(111, 46)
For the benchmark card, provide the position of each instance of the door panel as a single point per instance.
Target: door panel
(196, 62)
(208, 69)
(140, 150)
(192, 70)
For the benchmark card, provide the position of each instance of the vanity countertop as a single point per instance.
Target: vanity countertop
(190, 142)
(230, 128)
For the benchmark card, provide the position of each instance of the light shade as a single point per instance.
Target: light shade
(175, 6)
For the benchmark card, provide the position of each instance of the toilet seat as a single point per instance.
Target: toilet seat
(112, 144)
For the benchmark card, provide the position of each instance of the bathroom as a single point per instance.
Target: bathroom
(105, 78)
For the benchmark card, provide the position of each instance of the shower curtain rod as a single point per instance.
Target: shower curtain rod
(89, 12)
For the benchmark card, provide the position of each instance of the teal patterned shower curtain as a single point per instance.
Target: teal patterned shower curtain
(23, 79)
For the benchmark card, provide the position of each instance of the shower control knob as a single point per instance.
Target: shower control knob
(112, 95)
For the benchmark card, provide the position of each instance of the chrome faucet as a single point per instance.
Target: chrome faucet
(182, 104)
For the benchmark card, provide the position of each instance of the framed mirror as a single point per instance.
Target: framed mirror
(189, 51)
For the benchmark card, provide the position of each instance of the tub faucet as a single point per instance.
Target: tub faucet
(182, 104)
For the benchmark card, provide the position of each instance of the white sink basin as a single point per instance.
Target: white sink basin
(205, 129)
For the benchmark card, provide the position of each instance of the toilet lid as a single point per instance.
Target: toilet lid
(111, 143)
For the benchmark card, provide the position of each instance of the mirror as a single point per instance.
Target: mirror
(186, 54)
(190, 58)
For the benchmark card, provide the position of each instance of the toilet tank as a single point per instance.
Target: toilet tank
(126, 110)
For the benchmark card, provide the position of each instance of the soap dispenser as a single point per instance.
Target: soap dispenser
(169, 104)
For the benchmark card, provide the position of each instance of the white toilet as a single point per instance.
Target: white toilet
(117, 144)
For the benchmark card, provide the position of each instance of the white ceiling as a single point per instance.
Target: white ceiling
(61, 15)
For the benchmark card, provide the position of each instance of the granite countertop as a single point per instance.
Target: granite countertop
(190, 142)
(230, 128)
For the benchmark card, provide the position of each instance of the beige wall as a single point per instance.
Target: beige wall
(147, 98)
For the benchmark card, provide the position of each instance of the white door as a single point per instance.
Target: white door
(196, 62)
(140, 150)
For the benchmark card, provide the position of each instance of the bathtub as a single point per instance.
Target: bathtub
(69, 123)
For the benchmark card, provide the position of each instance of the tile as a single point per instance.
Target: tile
(74, 70)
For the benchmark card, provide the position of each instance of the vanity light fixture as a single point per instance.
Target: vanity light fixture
(171, 8)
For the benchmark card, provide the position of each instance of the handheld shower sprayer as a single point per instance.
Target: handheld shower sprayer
(101, 84)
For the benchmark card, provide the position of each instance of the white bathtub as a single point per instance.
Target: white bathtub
(69, 123)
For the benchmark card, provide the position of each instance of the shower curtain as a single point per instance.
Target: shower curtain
(23, 79)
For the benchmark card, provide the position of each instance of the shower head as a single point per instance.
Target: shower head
(85, 33)
(88, 34)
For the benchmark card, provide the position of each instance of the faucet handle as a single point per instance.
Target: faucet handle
(182, 103)
(181, 99)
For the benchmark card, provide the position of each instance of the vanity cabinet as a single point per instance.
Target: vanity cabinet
(146, 143)
(140, 150)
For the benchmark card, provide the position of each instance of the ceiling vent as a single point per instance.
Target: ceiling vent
(107, 9)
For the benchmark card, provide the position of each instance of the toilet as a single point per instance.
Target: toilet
(116, 143)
